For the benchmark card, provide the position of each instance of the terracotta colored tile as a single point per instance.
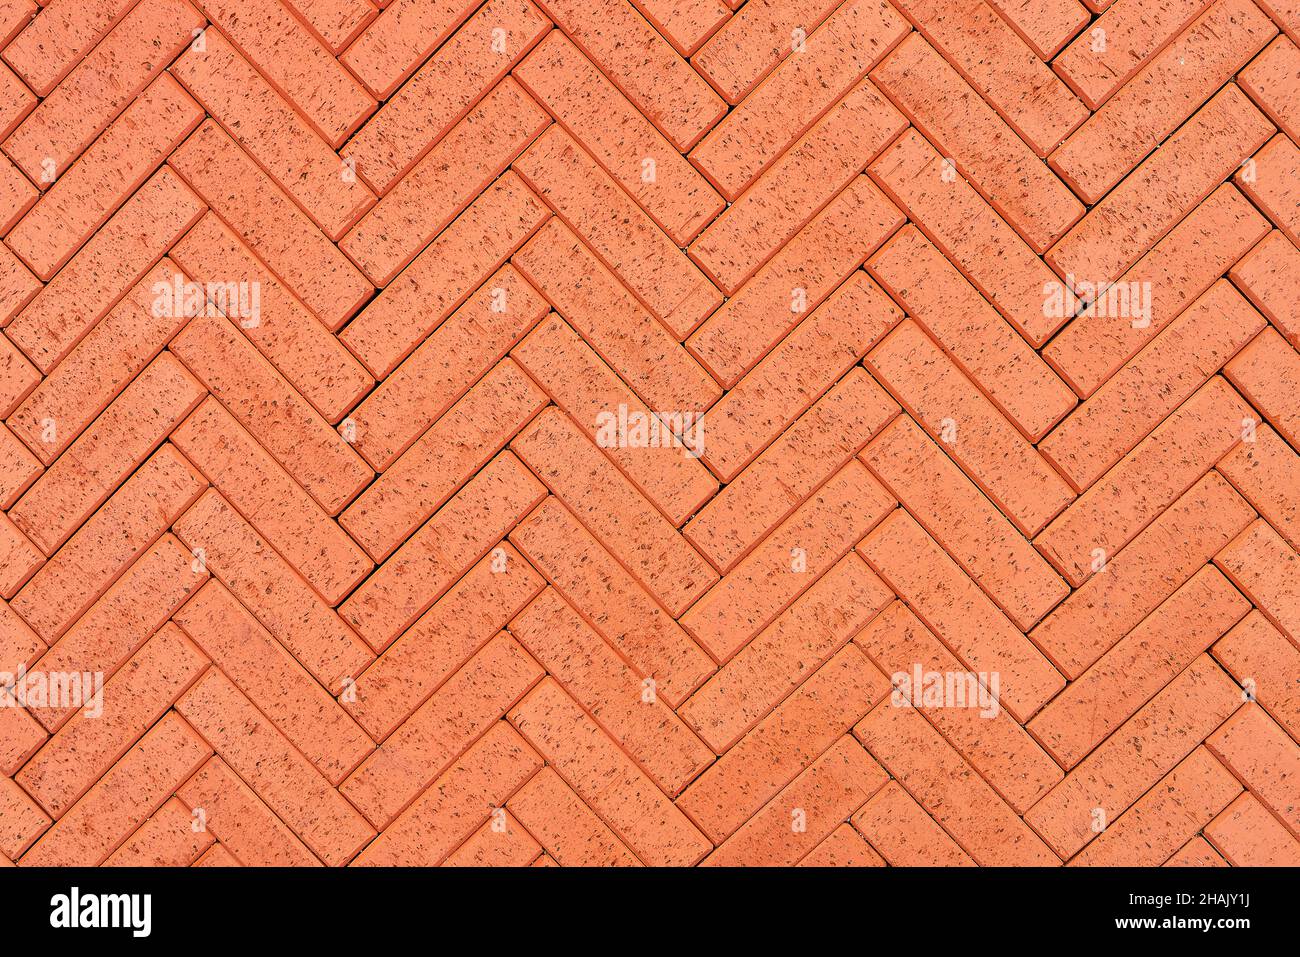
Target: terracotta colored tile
(783, 744)
(989, 449)
(399, 39)
(904, 834)
(820, 257)
(278, 773)
(1270, 81)
(1182, 266)
(684, 23)
(604, 777)
(968, 231)
(1247, 835)
(1142, 751)
(1149, 569)
(952, 606)
(1267, 373)
(995, 59)
(621, 139)
(1264, 662)
(56, 40)
(835, 56)
(1266, 760)
(295, 62)
(1273, 186)
(1264, 276)
(442, 91)
(754, 41)
(1184, 801)
(571, 833)
(1264, 567)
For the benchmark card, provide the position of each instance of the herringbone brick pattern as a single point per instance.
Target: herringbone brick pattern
(353, 355)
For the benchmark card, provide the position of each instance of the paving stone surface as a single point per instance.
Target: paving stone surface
(649, 432)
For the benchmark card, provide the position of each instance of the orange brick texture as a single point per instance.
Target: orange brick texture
(649, 432)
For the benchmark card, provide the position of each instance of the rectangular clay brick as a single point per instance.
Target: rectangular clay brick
(1267, 373)
(992, 742)
(501, 842)
(98, 735)
(18, 377)
(444, 274)
(782, 201)
(661, 85)
(1272, 184)
(1265, 277)
(843, 847)
(21, 820)
(1151, 385)
(949, 788)
(271, 225)
(996, 162)
(591, 109)
(284, 330)
(426, 744)
(266, 584)
(274, 681)
(1267, 81)
(770, 756)
(19, 559)
(755, 41)
(819, 350)
(1138, 665)
(612, 602)
(1266, 760)
(108, 451)
(616, 229)
(593, 674)
(831, 788)
(835, 56)
(18, 469)
(1247, 835)
(397, 41)
(904, 834)
(1149, 569)
(1134, 32)
(1047, 25)
(96, 370)
(954, 608)
(566, 827)
(606, 779)
(997, 61)
(1198, 852)
(1184, 170)
(59, 37)
(105, 176)
(582, 384)
(971, 530)
(443, 459)
(241, 822)
(271, 501)
(167, 839)
(17, 285)
(604, 313)
(280, 775)
(105, 269)
(459, 534)
(439, 187)
(1144, 749)
(1145, 482)
(1184, 801)
(1263, 661)
(788, 562)
(267, 126)
(99, 86)
(336, 22)
(795, 281)
(1156, 101)
(1265, 567)
(613, 511)
(457, 803)
(1178, 270)
(276, 415)
(295, 62)
(124, 798)
(472, 612)
(979, 340)
(814, 447)
(415, 118)
(684, 23)
(136, 515)
(988, 448)
(1267, 472)
(989, 253)
(801, 639)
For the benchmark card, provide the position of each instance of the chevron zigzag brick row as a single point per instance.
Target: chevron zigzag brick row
(649, 432)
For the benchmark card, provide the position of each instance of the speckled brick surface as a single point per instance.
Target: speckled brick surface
(840, 433)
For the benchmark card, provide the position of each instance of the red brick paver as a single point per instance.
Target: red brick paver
(650, 432)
